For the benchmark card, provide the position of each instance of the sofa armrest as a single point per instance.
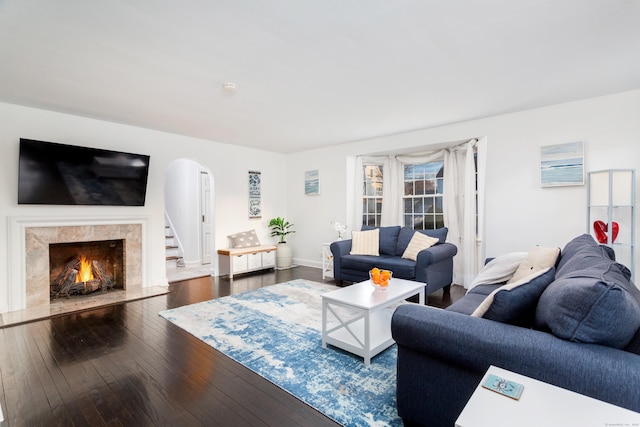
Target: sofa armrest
(434, 266)
(435, 254)
(470, 345)
(339, 248)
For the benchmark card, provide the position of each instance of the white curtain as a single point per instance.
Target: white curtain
(462, 215)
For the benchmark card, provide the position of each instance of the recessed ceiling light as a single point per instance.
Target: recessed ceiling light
(231, 87)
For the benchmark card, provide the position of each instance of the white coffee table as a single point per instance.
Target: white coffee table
(364, 315)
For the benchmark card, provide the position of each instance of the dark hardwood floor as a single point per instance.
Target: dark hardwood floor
(124, 365)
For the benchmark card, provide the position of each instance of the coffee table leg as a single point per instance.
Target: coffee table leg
(324, 323)
(367, 339)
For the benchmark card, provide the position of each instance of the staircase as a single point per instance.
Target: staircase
(172, 249)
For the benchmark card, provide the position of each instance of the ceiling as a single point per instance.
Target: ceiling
(312, 73)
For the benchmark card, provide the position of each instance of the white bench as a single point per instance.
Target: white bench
(243, 260)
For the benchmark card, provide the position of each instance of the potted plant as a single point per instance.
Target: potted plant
(281, 228)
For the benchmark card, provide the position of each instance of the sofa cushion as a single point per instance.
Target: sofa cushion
(634, 345)
(472, 299)
(388, 238)
(401, 268)
(515, 303)
(405, 235)
(539, 258)
(598, 304)
(584, 260)
(418, 243)
(365, 242)
(571, 249)
(244, 239)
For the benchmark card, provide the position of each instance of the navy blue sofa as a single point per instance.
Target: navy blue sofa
(433, 266)
(584, 337)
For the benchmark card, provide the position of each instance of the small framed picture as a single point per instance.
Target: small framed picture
(255, 195)
(312, 183)
(562, 164)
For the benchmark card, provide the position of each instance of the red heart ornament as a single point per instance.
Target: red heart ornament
(601, 229)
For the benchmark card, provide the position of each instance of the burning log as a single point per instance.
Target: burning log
(72, 266)
(68, 284)
(98, 272)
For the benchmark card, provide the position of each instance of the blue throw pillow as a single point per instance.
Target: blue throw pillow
(516, 303)
(597, 304)
(388, 238)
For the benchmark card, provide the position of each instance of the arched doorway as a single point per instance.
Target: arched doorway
(189, 221)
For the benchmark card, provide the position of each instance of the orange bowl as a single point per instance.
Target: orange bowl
(380, 278)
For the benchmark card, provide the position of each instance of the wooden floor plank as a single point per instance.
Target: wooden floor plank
(124, 365)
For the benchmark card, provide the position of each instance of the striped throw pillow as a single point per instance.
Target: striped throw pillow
(418, 242)
(365, 242)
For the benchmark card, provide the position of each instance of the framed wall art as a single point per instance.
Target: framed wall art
(255, 195)
(312, 183)
(562, 164)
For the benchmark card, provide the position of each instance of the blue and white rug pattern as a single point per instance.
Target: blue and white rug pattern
(276, 332)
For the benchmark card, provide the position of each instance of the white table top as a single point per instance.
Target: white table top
(364, 295)
(541, 404)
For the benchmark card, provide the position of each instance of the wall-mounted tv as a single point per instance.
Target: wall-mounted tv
(60, 174)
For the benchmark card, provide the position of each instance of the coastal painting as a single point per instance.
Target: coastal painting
(562, 164)
(312, 183)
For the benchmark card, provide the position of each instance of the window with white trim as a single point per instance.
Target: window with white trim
(372, 195)
(422, 199)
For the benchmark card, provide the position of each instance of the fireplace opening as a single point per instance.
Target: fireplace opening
(82, 268)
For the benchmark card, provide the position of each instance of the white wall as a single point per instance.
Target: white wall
(228, 164)
(520, 214)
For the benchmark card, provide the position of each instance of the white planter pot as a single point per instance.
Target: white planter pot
(284, 256)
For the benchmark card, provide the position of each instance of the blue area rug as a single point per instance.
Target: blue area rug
(276, 332)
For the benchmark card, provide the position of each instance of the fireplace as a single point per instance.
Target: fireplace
(81, 268)
(29, 284)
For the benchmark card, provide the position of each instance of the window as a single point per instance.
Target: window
(422, 195)
(372, 195)
(423, 188)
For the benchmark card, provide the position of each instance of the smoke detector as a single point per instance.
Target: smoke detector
(230, 87)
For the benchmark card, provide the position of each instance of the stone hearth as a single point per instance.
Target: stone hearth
(29, 261)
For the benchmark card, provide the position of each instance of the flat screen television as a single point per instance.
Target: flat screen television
(60, 174)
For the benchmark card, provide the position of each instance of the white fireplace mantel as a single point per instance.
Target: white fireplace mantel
(15, 291)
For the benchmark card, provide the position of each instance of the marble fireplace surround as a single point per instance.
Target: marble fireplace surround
(29, 240)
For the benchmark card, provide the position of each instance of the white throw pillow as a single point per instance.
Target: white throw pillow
(244, 239)
(537, 259)
(417, 243)
(365, 242)
(499, 269)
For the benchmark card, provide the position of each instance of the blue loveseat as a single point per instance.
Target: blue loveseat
(584, 336)
(433, 266)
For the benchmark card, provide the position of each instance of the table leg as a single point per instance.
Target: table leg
(324, 323)
(367, 338)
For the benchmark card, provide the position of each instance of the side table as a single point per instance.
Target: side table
(327, 261)
(541, 404)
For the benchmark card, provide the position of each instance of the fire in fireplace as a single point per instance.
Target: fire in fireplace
(85, 267)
